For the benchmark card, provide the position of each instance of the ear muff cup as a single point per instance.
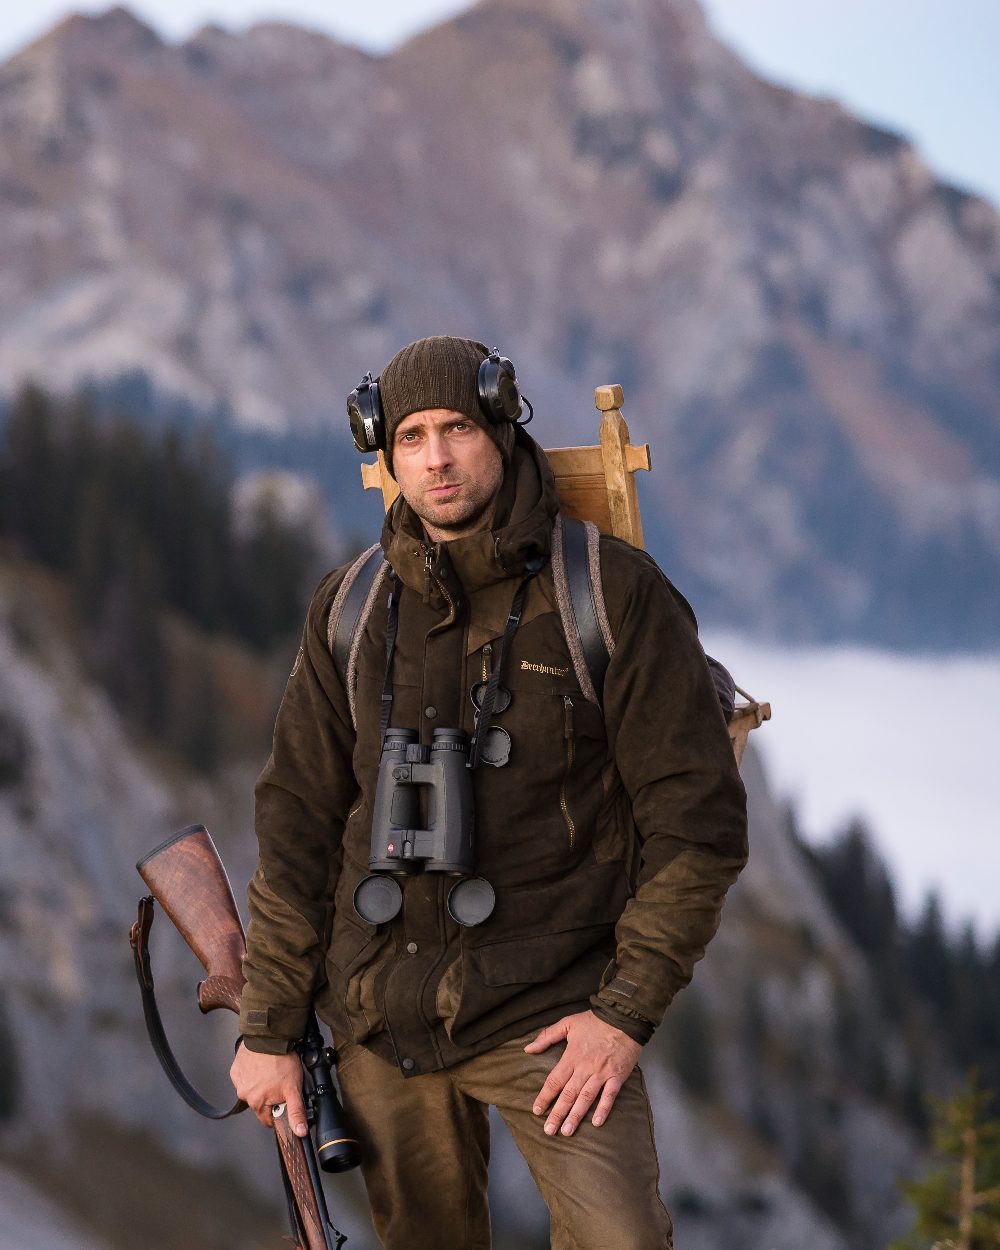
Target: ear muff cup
(364, 408)
(499, 397)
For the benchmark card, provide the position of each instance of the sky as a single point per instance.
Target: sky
(928, 68)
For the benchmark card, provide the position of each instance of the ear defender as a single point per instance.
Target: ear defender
(364, 408)
(499, 397)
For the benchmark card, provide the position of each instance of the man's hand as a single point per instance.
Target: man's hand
(264, 1081)
(597, 1060)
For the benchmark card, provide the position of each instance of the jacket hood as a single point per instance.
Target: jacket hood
(527, 504)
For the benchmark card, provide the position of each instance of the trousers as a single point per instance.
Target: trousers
(425, 1151)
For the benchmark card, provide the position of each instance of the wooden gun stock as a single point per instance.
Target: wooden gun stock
(186, 877)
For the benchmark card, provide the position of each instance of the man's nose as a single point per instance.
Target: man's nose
(437, 451)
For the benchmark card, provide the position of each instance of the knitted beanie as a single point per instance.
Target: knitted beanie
(438, 372)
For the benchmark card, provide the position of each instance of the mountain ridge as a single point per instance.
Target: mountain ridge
(803, 318)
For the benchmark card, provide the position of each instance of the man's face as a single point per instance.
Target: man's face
(449, 471)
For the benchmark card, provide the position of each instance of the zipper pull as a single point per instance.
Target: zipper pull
(568, 723)
(487, 660)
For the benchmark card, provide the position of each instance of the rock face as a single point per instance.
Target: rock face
(806, 322)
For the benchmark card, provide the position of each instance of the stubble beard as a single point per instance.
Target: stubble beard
(473, 511)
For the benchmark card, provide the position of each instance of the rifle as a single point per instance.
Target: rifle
(186, 876)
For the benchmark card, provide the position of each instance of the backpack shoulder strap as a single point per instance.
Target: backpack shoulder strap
(349, 614)
(576, 572)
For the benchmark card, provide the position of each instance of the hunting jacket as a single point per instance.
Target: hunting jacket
(610, 838)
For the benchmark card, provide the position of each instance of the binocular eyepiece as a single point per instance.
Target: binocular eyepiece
(423, 821)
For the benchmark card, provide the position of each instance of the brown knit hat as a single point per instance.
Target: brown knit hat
(438, 372)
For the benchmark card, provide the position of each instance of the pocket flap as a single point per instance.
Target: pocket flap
(347, 943)
(526, 961)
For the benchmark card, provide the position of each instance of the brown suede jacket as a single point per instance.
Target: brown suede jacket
(610, 838)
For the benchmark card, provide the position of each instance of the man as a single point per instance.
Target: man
(609, 837)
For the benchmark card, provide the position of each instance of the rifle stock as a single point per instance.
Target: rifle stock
(186, 877)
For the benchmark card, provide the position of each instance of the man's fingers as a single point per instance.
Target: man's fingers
(297, 1113)
(581, 1106)
(572, 1091)
(553, 1086)
(612, 1088)
(548, 1037)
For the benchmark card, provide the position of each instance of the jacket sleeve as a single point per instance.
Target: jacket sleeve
(301, 803)
(669, 740)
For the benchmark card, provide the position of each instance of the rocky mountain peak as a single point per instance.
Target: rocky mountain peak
(115, 32)
(804, 319)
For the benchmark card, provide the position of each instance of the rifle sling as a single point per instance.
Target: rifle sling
(139, 939)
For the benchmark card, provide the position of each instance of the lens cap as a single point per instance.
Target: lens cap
(495, 748)
(470, 901)
(377, 899)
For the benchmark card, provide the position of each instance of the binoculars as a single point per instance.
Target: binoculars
(423, 821)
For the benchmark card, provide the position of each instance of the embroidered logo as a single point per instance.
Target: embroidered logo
(543, 668)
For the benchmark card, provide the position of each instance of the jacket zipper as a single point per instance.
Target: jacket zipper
(570, 741)
(435, 581)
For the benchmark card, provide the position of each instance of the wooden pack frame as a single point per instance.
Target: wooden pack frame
(597, 484)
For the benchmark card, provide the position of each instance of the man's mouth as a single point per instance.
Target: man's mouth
(440, 492)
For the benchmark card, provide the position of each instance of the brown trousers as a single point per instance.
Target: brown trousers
(425, 1147)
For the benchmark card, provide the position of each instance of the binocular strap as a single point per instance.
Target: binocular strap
(490, 693)
(391, 629)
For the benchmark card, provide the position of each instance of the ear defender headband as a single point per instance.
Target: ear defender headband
(499, 400)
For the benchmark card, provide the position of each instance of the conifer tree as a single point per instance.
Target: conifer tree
(958, 1204)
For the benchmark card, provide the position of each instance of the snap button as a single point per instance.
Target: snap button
(409, 1065)
(412, 948)
(430, 711)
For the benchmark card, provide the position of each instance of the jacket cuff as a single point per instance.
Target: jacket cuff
(637, 1027)
(267, 1045)
(271, 1030)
